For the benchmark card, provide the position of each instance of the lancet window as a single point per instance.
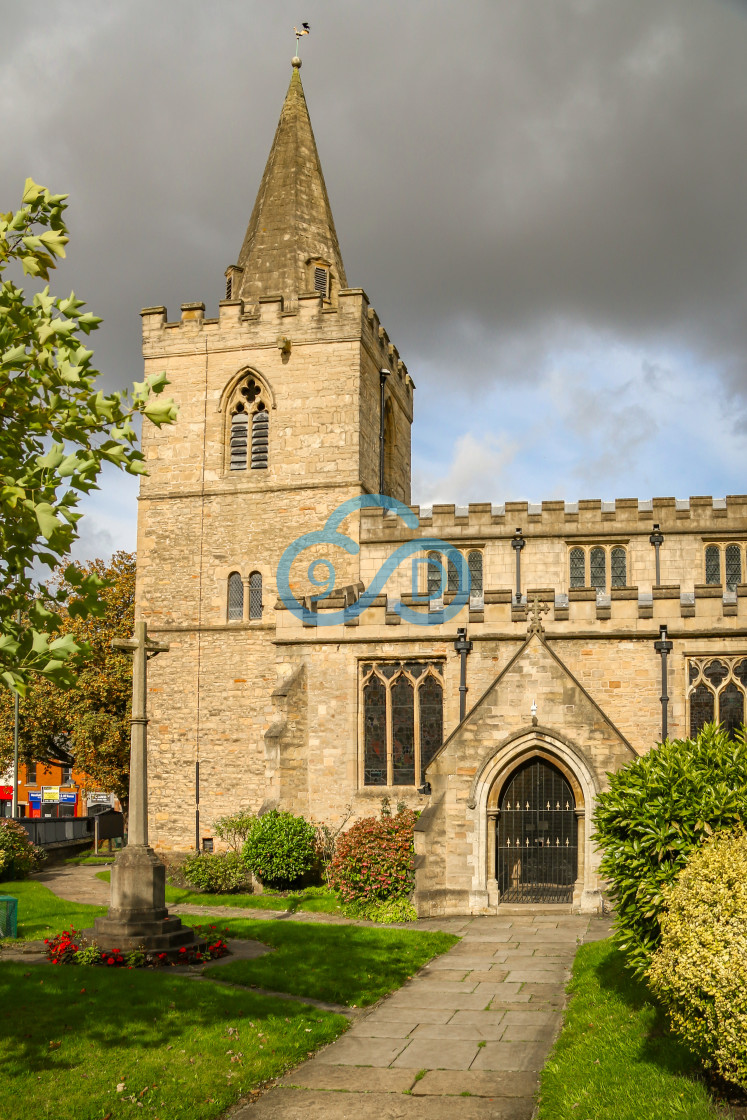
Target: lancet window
(437, 562)
(716, 691)
(235, 597)
(403, 723)
(250, 428)
(255, 595)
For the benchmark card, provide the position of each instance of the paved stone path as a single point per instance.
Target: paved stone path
(465, 1039)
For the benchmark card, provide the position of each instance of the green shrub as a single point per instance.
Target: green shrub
(699, 971)
(280, 848)
(390, 910)
(374, 859)
(658, 809)
(19, 856)
(234, 828)
(216, 873)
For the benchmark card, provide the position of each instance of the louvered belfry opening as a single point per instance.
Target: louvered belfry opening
(537, 836)
(260, 439)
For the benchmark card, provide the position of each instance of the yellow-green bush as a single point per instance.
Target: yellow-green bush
(699, 971)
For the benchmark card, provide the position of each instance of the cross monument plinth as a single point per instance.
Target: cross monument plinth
(137, 917)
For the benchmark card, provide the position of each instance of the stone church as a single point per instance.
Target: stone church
(492, 686)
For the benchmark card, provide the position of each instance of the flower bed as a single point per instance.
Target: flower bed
(70, 947)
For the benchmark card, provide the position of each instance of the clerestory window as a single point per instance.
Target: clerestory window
(600, 562)
(723, 564)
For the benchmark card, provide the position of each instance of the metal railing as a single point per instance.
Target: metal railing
(45, 831)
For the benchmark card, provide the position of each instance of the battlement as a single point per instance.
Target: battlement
(590, 518)
(274, 323)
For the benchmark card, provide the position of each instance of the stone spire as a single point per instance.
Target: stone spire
(291, 231)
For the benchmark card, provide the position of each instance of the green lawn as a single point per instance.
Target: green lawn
(43, 914)
(353, 965)
(90, 859)
(179, 1047)
(314, 899)
(615, 1058)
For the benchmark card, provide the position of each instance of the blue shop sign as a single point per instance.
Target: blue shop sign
(67, 798)
(35, 797)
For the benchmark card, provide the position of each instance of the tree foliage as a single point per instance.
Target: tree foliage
(57, 429)
(657, 811)
(90, 720)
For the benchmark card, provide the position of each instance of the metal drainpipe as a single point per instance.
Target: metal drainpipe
(462, 647)
(197, 805)
(657, 540)
(383, 374)
(663, 647)
(517, 544)
(14, 794)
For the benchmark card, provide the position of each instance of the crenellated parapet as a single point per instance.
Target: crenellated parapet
(589, 519)
(275, 323)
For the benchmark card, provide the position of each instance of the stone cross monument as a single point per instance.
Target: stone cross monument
(137, 917)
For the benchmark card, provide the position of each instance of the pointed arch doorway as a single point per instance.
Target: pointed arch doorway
(536, 835)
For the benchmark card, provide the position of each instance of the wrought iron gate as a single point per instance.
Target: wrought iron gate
(537, 837)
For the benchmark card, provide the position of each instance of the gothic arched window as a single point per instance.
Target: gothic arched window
(403, 722)
(250, 428)
(235, 597)
(255, 595)
(717, 688)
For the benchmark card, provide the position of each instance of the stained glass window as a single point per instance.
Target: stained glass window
(740, 672)
(731, 709)
(713, 564)
(598, 569)
(398, 746)
(474, 563)
(618, 573)
(255, 595)
(403, 733)
(235, 597)
(733, 566)
(430, 697)
(701, 708)
(374, 719)
(578, 567)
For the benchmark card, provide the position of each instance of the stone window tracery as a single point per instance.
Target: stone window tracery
(402, 708)
(716, 691)
(250, 428)
(437, 562)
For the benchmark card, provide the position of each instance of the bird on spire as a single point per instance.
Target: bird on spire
(305, 30)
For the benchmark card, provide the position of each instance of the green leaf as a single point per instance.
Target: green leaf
(48, 522)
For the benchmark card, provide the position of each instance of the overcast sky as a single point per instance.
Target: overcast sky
(546, 202)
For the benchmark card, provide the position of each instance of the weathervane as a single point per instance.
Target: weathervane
(305, 29)
(535, 611)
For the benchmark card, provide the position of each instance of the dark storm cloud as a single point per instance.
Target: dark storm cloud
(506, 177)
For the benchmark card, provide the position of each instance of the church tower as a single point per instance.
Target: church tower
(291, 401)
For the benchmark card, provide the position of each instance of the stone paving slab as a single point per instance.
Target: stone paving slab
(351, 1079)
(291, 1104)
(385, 1013)
(467, 1032)
(423, 997)
(361, 1051)
(427, 1053)
(478, 1083)
(507, 1055)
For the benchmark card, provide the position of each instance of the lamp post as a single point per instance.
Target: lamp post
(462, 646)
(517, 544)
(663, 647)
(14, 793)
(657, 540)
